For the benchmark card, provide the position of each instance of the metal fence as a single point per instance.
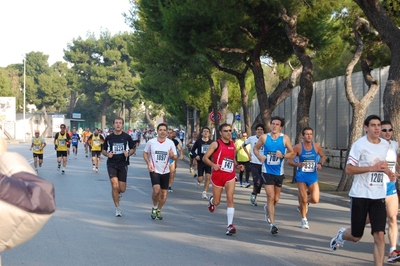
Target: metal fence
(330, 111)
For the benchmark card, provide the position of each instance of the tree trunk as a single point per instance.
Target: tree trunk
(390, 34)
(223, 104)
(281, 92)
(105, 104)
(245, 104)
(150, 123)
(214, 105)
(359, 106)
(300, 44)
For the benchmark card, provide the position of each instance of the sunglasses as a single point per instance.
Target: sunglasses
(227, 130)
(386, 130)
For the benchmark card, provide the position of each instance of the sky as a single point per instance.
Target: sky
(48, 26)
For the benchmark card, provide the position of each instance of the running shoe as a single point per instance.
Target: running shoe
(36, 170)
(252, 199)
(204, 195)
(94, 168)
(40, 165)
(240, 184)
(335, 242)
(62, 171)
(97, 170)
(273, 229)
(298, 207)
(153, 214)
(211, 206)
(394, 256)
(266, 214)
(118, 213)
(304, 224)
(195, 176)
(198, 184)
(247, 184)
(230, 230)
(58, 167)
(158, 215)
(170, 189)
(191, 171)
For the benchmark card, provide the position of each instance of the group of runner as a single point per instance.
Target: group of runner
(372, 160)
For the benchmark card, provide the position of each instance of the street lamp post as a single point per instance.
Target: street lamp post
(24, 87)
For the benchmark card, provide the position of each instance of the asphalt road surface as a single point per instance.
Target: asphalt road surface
(84, 231)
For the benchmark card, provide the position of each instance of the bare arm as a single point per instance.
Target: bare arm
(210, 151)
(297, 150)
(257, 147)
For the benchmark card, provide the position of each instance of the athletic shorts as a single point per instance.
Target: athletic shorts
(203, 168)
(171, 161)
(307, 178)
(391, 188)
(256, 173)
(61, 154)
(96, 153)
(360, 207)
(40, 156)
(120, 172)
(135, 143)
(68, 145)
(275, 180)
(220, 178)
(75, 145)
(159, 179)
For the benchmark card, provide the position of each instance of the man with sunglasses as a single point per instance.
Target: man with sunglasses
(277, 146)
(60, 141)
(223, 173)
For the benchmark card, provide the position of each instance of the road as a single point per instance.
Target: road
(84, 231)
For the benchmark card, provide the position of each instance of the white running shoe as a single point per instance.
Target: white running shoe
(198, 184)
(204, 195)
(118, 213)
(266, 214)
(335, 242)
(304, 224)
(94, 168)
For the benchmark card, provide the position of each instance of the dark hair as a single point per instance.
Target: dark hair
(278, 118)
(118, 118)
(369, 118)
(209, 130)
(162, 125)
(62, 125)
(259, 125)
(224, 125)
(386, 122)
(306, 128)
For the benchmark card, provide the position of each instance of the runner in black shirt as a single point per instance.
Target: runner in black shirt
(118, 146)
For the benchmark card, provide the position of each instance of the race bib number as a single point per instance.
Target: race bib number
(392, 166)
(376, 178)
(62, 142)
(36, 147)
(204, 148)
(309, 166)
(272, 159)
(74, 140)
(118, 148)
(227, 165)
(96, 142)
(161, 156)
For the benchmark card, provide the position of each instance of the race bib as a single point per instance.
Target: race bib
(227, 165)
(36, 147)
(272, 159)
(96, 142)
(376, 178)
(204, 148)
(118, 148)
(161, 156)
(61, 142)
(392, 166)
(74, 140)
(309, 166)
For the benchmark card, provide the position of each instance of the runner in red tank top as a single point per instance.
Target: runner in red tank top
(223, 172)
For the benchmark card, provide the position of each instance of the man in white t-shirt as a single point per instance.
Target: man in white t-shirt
(367, 162)
(157, 154)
